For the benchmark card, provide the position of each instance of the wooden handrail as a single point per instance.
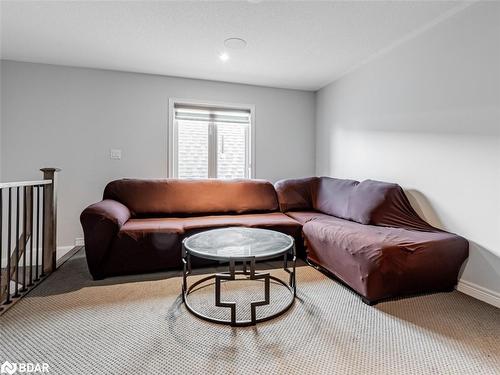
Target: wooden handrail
(24, 183)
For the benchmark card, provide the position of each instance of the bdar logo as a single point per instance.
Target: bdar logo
(8, 368)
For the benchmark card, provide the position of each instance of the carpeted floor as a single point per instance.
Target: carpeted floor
(137, 325)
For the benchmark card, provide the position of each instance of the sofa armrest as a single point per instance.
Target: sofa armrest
(101, 222)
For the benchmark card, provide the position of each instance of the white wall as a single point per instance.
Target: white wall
(427, 116)
(70, 118)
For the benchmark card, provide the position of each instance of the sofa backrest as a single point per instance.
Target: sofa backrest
(366, 202)
(333, 196)
(369, 200)
(296, 194)
(384, 204)
(184, 197)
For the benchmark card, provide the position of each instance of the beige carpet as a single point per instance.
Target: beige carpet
(137, 325)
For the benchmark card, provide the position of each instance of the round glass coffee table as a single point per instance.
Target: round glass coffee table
(241, 248)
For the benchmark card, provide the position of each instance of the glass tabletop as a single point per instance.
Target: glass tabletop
(238, 242)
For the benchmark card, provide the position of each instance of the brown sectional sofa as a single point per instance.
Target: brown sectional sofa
(366, 234)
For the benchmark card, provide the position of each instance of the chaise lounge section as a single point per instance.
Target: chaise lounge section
(368, 235)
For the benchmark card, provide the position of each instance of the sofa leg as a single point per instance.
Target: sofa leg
(449, 289)
(368, 302)
(311, 264)
(97, 277)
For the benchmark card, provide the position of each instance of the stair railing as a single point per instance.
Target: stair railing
(28, 235)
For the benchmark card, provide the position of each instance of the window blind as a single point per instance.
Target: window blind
(206, 114)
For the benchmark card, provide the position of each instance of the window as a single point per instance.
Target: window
(210, 141)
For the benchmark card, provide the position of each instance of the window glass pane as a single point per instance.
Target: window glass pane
(192, 149)
(231, 150)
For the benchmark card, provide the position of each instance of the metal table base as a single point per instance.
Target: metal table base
(248, 274)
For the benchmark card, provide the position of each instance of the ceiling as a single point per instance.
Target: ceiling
(300, 45)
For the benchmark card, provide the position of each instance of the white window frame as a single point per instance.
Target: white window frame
(172, 132)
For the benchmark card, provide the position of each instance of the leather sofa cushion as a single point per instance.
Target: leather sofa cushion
(192, 197)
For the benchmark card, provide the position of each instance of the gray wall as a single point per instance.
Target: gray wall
(71, 117)
(427, 115)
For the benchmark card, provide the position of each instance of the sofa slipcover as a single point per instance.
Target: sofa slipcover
(364, 233)
(140, 224)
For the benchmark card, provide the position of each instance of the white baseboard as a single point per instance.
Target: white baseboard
(62, 251)
(479, 292)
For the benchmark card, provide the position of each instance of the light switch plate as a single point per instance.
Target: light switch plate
(79, 241)
(115, 154)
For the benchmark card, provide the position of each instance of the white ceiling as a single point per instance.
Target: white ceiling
(301, 45)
